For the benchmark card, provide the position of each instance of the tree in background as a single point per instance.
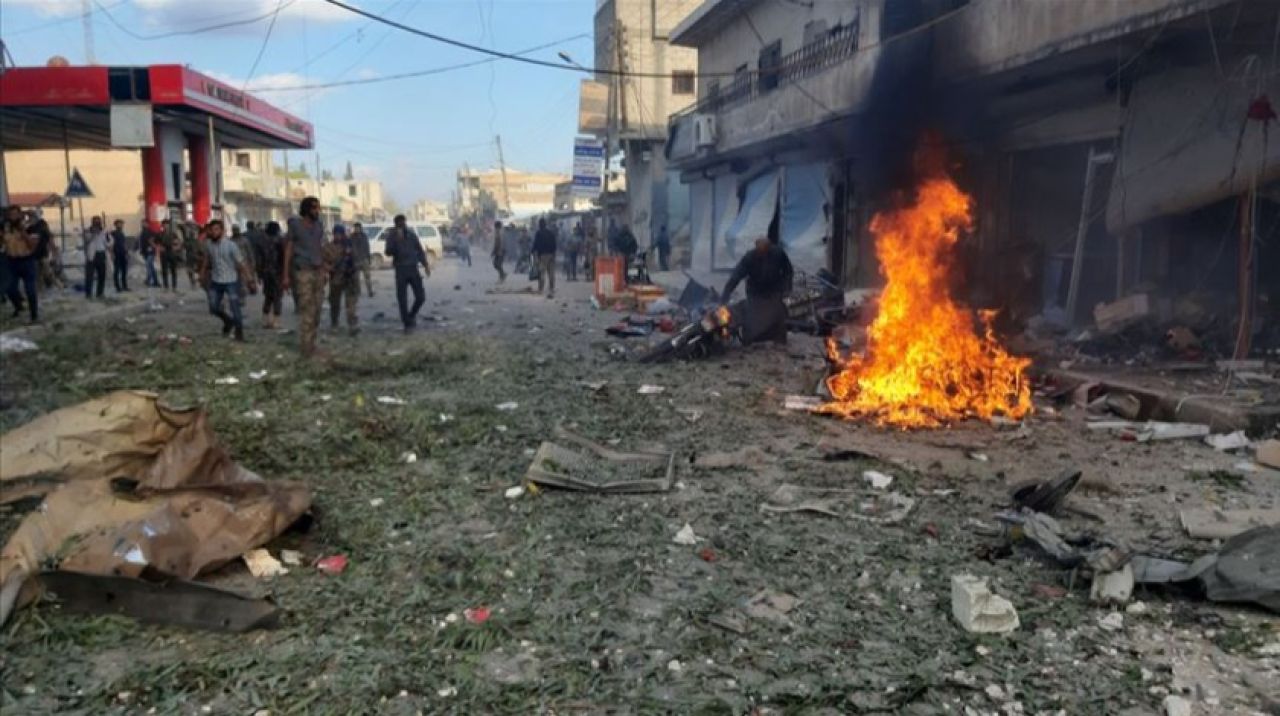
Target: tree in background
(348, 175)
(326, 175)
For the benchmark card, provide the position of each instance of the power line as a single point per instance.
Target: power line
(180, 33)
(422, 73)
(53, 23)
(610, 72)
(280, 5)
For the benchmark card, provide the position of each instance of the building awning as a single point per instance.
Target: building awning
(803, 227)
(759, 207)
(32, 199)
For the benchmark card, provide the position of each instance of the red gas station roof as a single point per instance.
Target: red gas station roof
(43, 107)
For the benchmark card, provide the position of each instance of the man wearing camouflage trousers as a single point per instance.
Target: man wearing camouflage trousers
(344, 280)
(304, 250)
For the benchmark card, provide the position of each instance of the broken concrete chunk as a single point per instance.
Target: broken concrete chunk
(1113, 587)
(1269, 453)
(1111, 317)
(1202, 523)
(1112, 622)
(978, 610)
(1176, 706)
(801, 403)
(878, 480)
(1228, 441)
(685, 536)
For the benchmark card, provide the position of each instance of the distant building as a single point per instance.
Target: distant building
(254, 189)
(519, 195)
(341, 199)
(1112, 139)
(634, 36)
(433, 212)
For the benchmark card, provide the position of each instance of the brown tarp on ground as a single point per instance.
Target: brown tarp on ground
(191, 510)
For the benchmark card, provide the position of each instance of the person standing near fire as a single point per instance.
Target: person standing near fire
(344, 280)
(768, 273)
(499, 253)
(304, 251)
(405, 250)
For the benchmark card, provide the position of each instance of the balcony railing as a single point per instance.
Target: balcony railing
(835, 46)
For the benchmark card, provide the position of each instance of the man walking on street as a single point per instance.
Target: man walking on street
(147, 248)
(463, 238)
(344, 280)
(191, 238)
(499, 251)
(242, 241)
(573, 251)
(95, 256)
(544, 249)
(119, 257)
(222, 267)
(304, 248)
(19, 245)
(268, 260)
(406, 254)
(364, 255)
(663, 245)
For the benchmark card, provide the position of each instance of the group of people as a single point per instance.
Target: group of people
(25, 253)
(304, 260)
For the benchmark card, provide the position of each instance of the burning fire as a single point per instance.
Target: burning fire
(926, 363)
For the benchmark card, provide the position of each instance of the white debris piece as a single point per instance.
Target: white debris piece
(802, 403)
(514, 492)
(978, 610)
(16, 344)
(377, 502)
(1176, 706)
(674, 666)
(291, 557)
(258, 374)
(1112, 622)
(979, 456)
(254, 414)
(227, 380)
(878, 480)
(685, 536)
(409, 458)
(1112, 587)
(508, 406)
(651, 389)
(1228, 441)
(392, 400)
(262, 565)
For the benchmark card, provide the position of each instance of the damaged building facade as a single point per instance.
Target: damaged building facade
(1111, 147)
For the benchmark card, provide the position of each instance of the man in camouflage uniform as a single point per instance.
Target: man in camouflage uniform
(344, 280)
(168, 246)
(304, 250)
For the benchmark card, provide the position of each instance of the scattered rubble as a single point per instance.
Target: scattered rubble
(978, 610)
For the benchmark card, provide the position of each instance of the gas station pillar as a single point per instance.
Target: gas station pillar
(201, 191)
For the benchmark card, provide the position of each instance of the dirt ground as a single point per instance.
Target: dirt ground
(595, 607)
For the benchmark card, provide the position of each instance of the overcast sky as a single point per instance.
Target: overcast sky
(412, 133)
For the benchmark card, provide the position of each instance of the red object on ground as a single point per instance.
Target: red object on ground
(708, 555)
(666, 325)
(610, 277)
(1048, 591)
(931, 530)
(1260, 109)
(332, 565)
(478, 615)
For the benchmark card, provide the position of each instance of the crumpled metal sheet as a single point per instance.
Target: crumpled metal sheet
(1245, 570)
(183, 508)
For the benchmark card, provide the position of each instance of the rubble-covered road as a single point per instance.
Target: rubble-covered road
(593, 604)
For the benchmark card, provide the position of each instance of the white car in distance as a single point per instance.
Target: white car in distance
(428, 236)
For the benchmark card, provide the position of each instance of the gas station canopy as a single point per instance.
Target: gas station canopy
(76, 107)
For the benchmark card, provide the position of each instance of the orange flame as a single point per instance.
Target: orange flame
(926, 364)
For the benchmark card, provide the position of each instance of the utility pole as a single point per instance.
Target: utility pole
(86, 19)
(502, 164)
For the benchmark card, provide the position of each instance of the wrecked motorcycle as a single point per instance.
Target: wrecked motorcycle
(699, 339)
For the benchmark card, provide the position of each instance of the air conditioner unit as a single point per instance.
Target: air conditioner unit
(704, 130)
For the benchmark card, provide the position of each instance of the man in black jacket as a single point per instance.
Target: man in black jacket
(768, 273)
(120, 257)
(544, 250)
(405, 250)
